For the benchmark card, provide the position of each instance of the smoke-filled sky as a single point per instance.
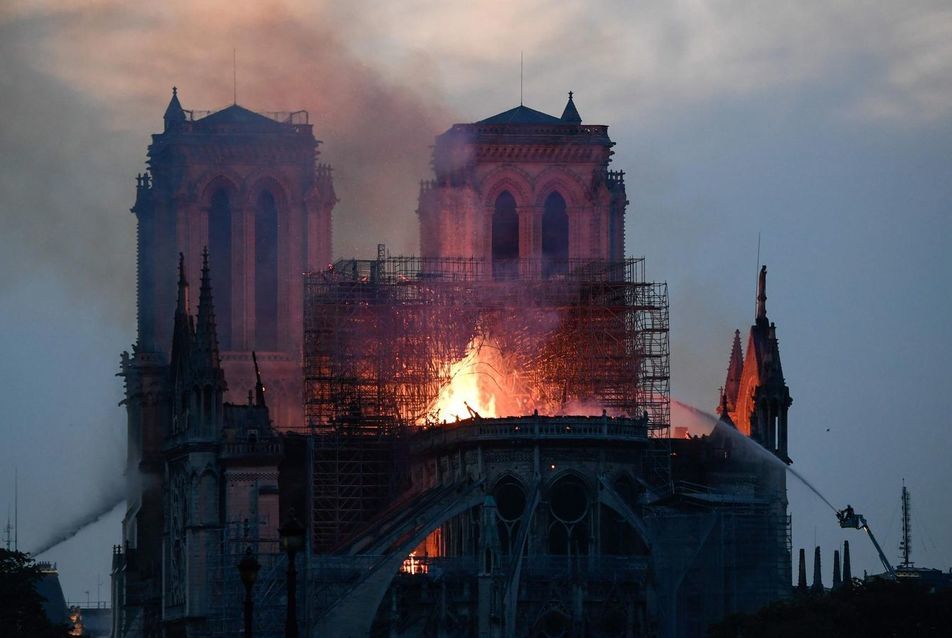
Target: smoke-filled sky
(824, 126)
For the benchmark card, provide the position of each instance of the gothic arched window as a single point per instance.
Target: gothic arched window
(266, 273)
(219, 254)
(555, 236)
(505, 235)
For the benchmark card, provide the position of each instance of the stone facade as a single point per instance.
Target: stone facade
(524, 187)
(211, 463)
(245, 186)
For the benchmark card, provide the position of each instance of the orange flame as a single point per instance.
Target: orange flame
(476, 384)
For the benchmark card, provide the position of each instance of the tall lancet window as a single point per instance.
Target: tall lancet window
(505, 237)
(555, 236)
(219, 255)
(266, 273)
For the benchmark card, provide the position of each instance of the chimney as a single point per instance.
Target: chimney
(802, 574)
(817, 574)
(847, 571)
(837, 581)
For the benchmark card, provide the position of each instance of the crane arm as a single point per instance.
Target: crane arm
(849, 518)
(882, 556)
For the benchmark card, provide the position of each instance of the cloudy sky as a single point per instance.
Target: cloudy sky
(824, 127)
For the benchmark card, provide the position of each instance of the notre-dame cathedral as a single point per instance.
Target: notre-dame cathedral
(475, 440)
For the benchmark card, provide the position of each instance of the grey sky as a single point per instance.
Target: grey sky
(826, 126)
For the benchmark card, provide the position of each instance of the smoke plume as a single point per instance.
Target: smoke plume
(74, 135)
(70, 529)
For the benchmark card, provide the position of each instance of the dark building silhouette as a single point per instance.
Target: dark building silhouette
(477, 440)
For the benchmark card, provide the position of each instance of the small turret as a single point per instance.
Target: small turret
(174, 113)
(570, 114)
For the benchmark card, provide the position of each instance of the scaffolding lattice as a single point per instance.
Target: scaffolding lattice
(381, 337)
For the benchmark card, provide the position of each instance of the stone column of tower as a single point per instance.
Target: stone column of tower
(525, 192)
(847, 568)
(245, 185)
(837, 581)
(802, 572)
(817, 572)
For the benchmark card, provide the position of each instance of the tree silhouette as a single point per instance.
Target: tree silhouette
(21, 605)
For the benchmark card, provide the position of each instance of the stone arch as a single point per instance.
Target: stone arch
(505, 236)
(510, 178)
(571, 502)
(559, 179)
(366, 595)
(210, 180)
(512, 499)
(507, 509)
(266, 180)
(553, 622)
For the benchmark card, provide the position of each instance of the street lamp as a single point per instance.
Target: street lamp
(292, 541)
(248, 568)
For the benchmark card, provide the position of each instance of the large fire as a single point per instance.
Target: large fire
(488, 383)
(482, 383)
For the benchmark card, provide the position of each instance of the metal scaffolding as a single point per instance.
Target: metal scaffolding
(380, 338)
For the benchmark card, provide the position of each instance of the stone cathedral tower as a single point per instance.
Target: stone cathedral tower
(246, 186)
(527, 192)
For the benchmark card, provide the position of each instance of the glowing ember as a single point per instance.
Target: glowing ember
(413, 565)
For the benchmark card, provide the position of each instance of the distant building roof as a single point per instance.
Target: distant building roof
(235, 114)
(522, 115)
(49, 588)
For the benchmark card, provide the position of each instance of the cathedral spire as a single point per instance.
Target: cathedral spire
(206, 333)
(762, 295)
(183, 331)
(570, 114)
(735, 370)
(259, 387)
(174, 113)
(181, 307)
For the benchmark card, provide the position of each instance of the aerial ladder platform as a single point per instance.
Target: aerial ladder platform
(850, 519)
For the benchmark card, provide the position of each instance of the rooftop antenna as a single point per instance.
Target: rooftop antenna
(905, 543)
(16, 509)
(234, 75)
(522, 59)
